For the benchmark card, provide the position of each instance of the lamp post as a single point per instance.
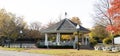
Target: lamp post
(21, 37)
(78, 27)
(112, 37)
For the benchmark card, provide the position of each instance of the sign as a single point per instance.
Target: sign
(117, 40)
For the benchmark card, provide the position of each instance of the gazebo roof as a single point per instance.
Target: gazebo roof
(64, 26)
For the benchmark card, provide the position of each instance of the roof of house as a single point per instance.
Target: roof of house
(64, 26)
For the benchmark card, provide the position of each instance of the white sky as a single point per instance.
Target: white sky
(45, 11)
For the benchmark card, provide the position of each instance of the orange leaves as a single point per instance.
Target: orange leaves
(114, 2)
(111, 29)
(114, 14)
(115, 8)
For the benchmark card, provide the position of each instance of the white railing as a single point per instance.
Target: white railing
(24, 45)
(50, 43)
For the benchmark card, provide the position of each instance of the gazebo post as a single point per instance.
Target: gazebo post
(82, 40)
(58, 39)
(46, 39)
(86, 41)
(75, 41)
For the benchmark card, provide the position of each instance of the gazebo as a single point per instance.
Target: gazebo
(65, 26)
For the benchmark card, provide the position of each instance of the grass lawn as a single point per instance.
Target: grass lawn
(65, 52)
(12, 49)
(73, 52)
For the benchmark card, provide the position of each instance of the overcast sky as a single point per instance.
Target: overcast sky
(45, 11)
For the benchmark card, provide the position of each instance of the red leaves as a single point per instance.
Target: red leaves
(114, 2)
(115, 8)
(111, 28)
(114, 14)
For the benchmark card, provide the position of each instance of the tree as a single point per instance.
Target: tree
(107, 41)
(101, 16)
(35, 28)
(114, 14)
(6, 23)
(114, 10)
(99, 33)
(10, 25)
(20, 25)
(76, 20)
(51, 23)
(107, 13)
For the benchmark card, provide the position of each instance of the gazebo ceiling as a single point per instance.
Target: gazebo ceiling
(64, 26)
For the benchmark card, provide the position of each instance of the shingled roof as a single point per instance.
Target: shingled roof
(64, 26)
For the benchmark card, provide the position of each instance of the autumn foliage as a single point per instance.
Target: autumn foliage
(114, 15)
(112, 28)
(114, 10)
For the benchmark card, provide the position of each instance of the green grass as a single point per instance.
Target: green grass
(73, 52)
(49, 51)
(64, 52)
(12, 49)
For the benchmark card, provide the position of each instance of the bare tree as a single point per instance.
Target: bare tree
(35, 28)
(101, 16)
(51, 23)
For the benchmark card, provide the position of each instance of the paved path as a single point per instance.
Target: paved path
(15, 53)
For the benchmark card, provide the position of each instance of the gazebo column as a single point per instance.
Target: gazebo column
(83, 41)
(46, 39)
(75, 41)
(87, 42)
(76, 38)
(58, 39)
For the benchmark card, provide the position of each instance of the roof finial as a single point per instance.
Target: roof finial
(65, 14)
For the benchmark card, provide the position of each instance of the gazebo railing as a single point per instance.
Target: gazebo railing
(62, 43)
